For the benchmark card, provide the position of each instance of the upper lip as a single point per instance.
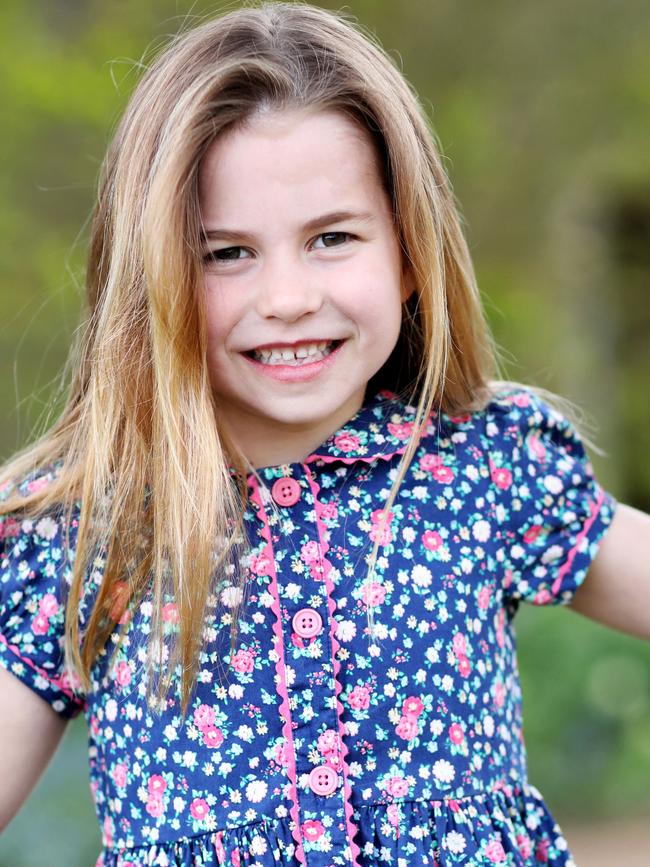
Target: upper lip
(280, 345)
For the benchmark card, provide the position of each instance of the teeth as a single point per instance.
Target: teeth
(284, 355)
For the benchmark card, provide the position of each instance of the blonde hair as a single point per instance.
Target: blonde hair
(138, 444)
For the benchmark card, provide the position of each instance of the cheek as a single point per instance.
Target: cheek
(220, 315)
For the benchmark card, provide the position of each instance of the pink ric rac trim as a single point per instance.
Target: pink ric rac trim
(329, 587)
(366, 459)
(281, 680)
(55, 681)
(594, 508)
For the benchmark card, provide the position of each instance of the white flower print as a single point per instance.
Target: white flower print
(258, 845)
(231, 596)
(111, 710)
(292, 591)
(421, 575)
(553, 484)
(46, 528)
(345, 630)
(551, 554)
(481, 531)
(444, 771)
(455, 842)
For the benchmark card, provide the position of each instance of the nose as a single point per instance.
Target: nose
(288, 291)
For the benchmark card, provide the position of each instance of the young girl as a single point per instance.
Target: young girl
(284, 523)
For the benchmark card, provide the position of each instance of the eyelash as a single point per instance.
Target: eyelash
(212, 256)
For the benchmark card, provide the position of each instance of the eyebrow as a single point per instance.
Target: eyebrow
(309, 226)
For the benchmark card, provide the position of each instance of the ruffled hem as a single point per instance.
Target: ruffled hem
(507, 826)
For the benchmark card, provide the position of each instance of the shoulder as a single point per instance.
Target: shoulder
(514, 413)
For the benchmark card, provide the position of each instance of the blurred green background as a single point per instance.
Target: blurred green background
(543, 115)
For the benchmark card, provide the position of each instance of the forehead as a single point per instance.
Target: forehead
(303, 159)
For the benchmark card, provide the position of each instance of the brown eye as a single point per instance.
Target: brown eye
(226, 254)
(333, 239)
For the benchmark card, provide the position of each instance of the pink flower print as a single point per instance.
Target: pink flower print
(155, 806)
(310, 552)
(507, 580)
(212, 737)
(373, 593)
(347, 442)
(123, 673)
(432, 540)
(157, 785)
(378, 533)
(40, 625)
(407, 728)
(499, 693)
(460, 419)
(456, 734)
(243, 661)
(524, 844)
(494, 852)
(359, 698)
(329, 511)
(119, 775)
(260, 565)
(464, 666)
(532, 533)
(401, 431)
(281, 754)
(430, 462)
(49, 605)
(393, 814)
(170, 613)
(459, 643)
(443, 474)
(219, 848)
(199, 809)
(412, 706)
(536, 447)
(501, 477)
(108, 831)
(236, 857)
(397, 787)
(312, 830)
(37, 484)
(334, 760)
(328, 742)
(541, 851)
(204, 716)
(501, 618)
(9, 528)
(542, 597)
(520, 399)
(484, 596)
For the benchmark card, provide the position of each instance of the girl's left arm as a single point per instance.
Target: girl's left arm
(616, 590)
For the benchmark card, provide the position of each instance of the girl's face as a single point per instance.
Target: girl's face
(300, 251)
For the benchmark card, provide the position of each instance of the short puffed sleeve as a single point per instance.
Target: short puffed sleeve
(550, 508)
(33, 567)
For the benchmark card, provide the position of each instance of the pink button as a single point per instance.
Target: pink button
(285, 492)
(307, 623)
(323, 780)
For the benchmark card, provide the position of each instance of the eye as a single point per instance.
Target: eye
(226, 254)
(333, 239)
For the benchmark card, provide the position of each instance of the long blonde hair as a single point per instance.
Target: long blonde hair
(138, 444)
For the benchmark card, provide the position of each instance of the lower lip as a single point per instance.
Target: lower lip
(289, 373)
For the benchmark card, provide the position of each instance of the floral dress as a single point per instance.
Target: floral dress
(326, 746)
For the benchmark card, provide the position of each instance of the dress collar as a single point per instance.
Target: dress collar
(379, 429)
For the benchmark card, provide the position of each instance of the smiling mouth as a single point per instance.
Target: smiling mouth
(298, 356)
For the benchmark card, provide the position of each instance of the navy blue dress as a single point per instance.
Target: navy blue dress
(317, 743)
